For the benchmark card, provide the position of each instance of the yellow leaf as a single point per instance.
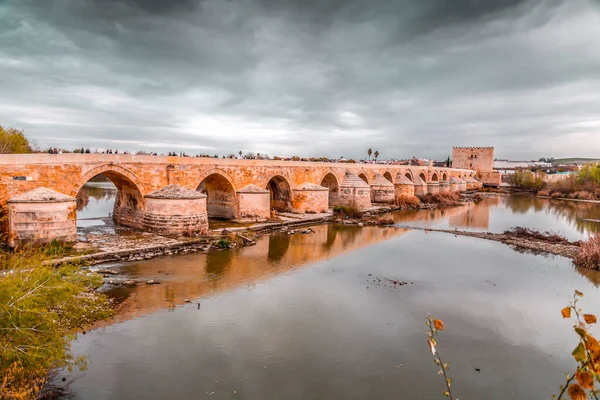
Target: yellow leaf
(589, 318)
(576, 392)
(566, 312)
(578, 293)
(585, 379)
(579, 353)
(439, 324)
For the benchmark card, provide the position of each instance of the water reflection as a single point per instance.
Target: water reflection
(271, 329)
(197, 275)
(95, 202)
(499, 213)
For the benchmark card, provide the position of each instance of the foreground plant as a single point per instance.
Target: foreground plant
(41, 309)
(583, 382)
(435, 325)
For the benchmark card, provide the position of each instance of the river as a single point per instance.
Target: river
(305, 316)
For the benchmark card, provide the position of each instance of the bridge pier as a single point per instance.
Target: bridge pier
(462, 185)
(310, 198)
(41, 216)
(354, 192)
(433, 187)
(175, 210)
(254, 203)
(444, 187)
(382, 190)
(454, 184)
(403, 187)
(420, 186)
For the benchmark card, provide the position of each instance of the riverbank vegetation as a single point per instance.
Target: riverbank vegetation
(589, 254)
(41, 309)
(585, 185)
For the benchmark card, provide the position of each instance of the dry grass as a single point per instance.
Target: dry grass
(589, 255)
(408, 202)
(572, 188)
(347, 211)
(449, 198)
(532, 234)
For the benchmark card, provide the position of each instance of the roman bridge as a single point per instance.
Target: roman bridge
(176, 194)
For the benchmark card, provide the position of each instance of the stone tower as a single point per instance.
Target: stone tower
(480, 159)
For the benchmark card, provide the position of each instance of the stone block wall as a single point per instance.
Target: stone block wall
(310, 201)
(474, 158)
(42, 220)
(493, 178)
(433, 187)
(176, 216)
(254, 203)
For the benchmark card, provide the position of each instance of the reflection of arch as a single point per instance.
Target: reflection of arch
(363, 176)
(388, 176)
(331, 182)
(444, 176)
(129, 203)
(281, 193)
(221, 201)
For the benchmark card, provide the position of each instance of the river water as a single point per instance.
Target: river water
(305, 316)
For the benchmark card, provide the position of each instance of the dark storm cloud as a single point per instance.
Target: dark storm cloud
(304, 77)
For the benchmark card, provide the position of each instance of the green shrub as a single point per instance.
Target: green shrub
(41, 308)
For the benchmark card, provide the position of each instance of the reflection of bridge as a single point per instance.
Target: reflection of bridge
(162, 193)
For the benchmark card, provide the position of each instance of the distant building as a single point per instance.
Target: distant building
(479, 159)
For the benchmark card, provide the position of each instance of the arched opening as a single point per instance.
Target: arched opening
(281, 193)
(422, 176)
(331, 183)
(388, 176)
(409, 176)
(444, 176)
(363, 177)
(434, 177)
(106, 196)
(220, 201)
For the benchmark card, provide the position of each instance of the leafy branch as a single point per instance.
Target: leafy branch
(435, 325)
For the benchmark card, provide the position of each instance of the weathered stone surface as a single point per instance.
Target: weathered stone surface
(433, 187)
(444, 187)
(355, 192)
(175, 210)
(420, 186)
(41, 216)
(310, 198)
(175, 192)
(382, 190)
(254, 203)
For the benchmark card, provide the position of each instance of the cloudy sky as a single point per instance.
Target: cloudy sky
(305, 77)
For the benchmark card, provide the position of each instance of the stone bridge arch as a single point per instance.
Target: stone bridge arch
(407, 173)
(362, 174)
(388, 175)
(435, 176)
(281, 193)
(332, 182)
(220, 190)
(129, 203)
